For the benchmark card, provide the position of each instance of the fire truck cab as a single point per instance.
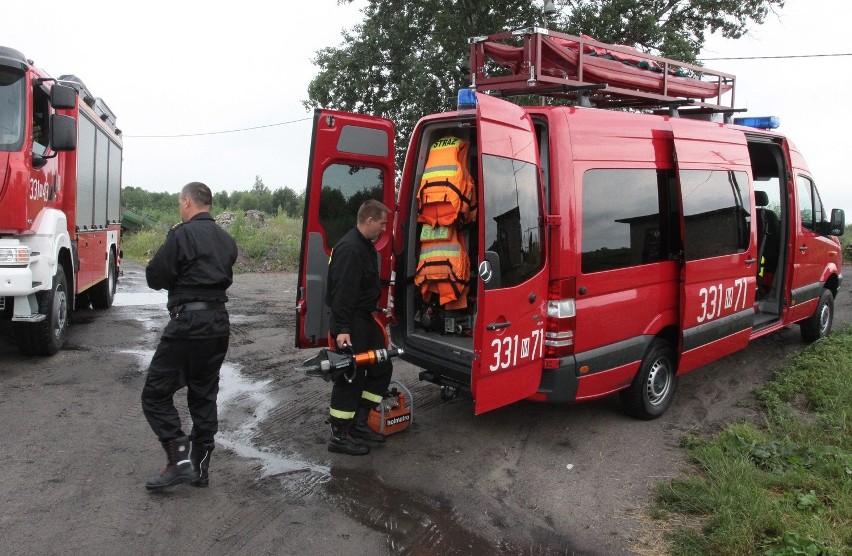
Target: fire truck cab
(60, 181)
(611, 250)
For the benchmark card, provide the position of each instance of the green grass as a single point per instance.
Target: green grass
(781, 488)
(272, 247)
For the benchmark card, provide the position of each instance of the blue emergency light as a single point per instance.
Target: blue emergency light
(467, 99)
(760, 122)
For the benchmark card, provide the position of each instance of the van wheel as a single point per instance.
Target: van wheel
(48, 336)
(818, 325)
(103, 293)
(654, 386)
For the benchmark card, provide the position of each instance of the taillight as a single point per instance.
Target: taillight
(561, 317)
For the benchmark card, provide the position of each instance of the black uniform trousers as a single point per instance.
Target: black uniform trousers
(180, 362)
(369, 384)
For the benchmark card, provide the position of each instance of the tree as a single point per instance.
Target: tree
(671, 28)
(407, 59)
(286, 200)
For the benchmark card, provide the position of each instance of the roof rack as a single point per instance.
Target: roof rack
(537, 61)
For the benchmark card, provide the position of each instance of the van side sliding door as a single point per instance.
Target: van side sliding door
(718, 276)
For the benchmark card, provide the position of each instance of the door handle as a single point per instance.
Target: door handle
(498, 325)
(750, 261)
(803, 248)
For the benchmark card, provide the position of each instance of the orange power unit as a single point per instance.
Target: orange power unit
(394, 413)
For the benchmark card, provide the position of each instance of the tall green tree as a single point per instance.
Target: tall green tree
(408, 58)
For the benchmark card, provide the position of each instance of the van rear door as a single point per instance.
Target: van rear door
(512, 281)
(352, 160)
(719, 273)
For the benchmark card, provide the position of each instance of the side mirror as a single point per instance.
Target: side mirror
(63, 133)
(838, 222)
(63, 97)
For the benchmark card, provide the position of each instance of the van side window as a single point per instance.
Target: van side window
(344, 188)
(716, 212)
(513, 218)
(625, 218)
(810, 207)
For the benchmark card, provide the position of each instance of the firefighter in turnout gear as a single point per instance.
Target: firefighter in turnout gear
(195, 265)
(353, 293)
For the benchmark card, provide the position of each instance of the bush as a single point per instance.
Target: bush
(272, 247)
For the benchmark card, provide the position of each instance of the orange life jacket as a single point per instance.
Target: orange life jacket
(443, 267)
(447, 191)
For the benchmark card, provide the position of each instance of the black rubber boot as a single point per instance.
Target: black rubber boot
(360, 428)
(343, 443)
(200, 456)
(178, 469)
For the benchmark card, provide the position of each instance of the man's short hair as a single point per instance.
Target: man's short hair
(199, 193)
(371, 208)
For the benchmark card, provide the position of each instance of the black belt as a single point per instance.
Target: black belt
(195, 306)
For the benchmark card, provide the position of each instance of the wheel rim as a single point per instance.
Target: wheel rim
(659, 382)
(824, 319)
(111, 278)
(60, 311)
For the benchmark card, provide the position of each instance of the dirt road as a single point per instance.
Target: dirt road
(527, 479)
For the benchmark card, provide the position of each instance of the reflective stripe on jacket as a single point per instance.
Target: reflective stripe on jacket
(443, 268)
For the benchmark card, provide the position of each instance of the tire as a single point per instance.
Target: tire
(48, 336)
(819, 324)
(654, 386)
(103, 293)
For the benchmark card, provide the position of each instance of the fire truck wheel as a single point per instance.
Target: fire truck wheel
(103, 293)
(818, 325)
(48, 336)
(654, 386)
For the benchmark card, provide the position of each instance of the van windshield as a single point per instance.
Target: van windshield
(11, 110)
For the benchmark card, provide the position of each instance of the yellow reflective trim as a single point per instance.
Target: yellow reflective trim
(370, 396)
(341, 414)
(443, 253)
(439, 174)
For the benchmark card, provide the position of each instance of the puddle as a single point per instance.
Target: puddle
(241, 396)
(151, 299)
(416, 523)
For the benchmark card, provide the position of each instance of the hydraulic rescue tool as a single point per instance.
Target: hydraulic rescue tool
(396, 410)
(329, 365)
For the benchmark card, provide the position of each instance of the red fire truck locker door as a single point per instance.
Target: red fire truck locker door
(511, 279)
(352, 160)
(719, 274)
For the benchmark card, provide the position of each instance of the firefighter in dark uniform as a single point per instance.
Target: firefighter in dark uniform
(195, 265)
(353, 294)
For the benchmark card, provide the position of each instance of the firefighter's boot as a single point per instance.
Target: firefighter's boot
(178, 469)
(360, 429)
(200, 457)
(343, 443)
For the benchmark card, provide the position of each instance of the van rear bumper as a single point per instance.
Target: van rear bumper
(559, 384)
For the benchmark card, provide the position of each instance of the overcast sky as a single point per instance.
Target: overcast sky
(190, 67)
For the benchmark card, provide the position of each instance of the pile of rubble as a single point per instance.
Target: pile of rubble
(253, 218)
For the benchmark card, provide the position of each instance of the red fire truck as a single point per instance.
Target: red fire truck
(627, 228)
(60, 166)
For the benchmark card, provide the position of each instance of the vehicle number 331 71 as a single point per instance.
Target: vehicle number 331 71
(511, 349)
(717, 299)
